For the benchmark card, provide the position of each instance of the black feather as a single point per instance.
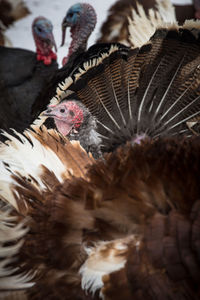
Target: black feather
(22, 78)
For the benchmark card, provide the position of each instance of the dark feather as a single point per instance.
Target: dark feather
(23, 76)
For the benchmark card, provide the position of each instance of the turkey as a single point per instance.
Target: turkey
(115, 27)
(133, 94)
(23, 74)
(81, 19)
(10, 11)
(125, 227)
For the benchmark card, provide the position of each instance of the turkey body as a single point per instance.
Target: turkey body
(23, 74)
(115, 27)
(18, 93)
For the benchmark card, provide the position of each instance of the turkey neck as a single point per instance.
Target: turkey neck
(44, 50)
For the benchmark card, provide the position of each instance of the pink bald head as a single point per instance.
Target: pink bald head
(67, 115)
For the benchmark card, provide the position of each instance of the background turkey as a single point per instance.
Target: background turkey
(10, 11)
(134, 94)
(115, 28)
(23, 74)
(81, 19)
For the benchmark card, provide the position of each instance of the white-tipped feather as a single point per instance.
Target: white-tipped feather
(105, 258)
(142, 27)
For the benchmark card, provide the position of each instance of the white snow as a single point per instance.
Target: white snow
(181, 2)
(20, 33)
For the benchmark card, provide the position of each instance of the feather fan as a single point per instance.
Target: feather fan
(152, 91)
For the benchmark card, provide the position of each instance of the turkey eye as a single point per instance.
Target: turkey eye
(39, 29)
(70, 15)
(62, 110)
(71, 113)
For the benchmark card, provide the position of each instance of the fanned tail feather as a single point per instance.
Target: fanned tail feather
(142, 26)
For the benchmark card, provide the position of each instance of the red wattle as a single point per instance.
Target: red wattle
(64, 61)
(46, 59)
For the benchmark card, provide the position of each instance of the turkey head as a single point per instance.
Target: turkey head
(43, 35)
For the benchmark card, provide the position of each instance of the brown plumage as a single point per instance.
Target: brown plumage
(136, 211)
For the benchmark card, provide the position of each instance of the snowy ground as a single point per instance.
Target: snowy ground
(55, 10)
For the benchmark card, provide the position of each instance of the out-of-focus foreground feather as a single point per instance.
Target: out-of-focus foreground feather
(129, 229)
(32, 156)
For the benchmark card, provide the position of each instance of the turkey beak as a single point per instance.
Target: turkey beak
(48, 112)
(54, 44)
(52, 41)
(64, 26)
